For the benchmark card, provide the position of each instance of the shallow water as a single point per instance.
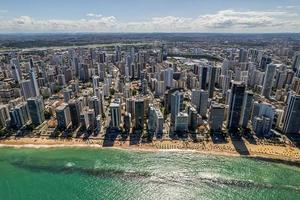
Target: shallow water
(82, 173)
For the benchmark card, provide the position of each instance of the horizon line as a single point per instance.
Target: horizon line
(73, 33)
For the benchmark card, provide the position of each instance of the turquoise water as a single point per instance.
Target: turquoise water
(77, 173)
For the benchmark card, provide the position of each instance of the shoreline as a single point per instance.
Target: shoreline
(277, 154)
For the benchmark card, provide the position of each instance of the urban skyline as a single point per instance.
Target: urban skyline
(140, 99)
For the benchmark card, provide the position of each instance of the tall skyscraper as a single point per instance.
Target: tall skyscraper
(74, 112)
(263, 115)
(118, 53)
(200, 100)
(84, 72)
(176, 101)
(292, 117)
(36, 110)
(296, 63)
(19, 115)
(246, 109)
(95, 104)
(15, 73)
(168, 77)
(34, 84)
(155, 121)
(26, 88)
(67, 94)
(192, 120)
(243, 55)
(212, 81)
(139, 114)
(63, 116)
(216, 117)
(268, 80)
(203, 77)
(181, 122)
(96, 81)
(196, 98)
(235, 104)
(115, 114)
(264, 62)
(203, 103)
(127, 122)
(4, 115)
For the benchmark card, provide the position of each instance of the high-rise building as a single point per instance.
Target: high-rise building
(96, 81)
(61, 80)
(95, 104)
(115, 114)
(268, 80)
(216, 117)
(26, 88)
(203, 103)
(235, 104)
(212, 81)
(200, 100)
(118, 53)
(181, 122)
(192, 120)
(16, 70)
(292, 116)
(84, 72)
(15, 73)
(159, 88)
(264, 62)
(36, 110)
(34, 84)
(98, 123)
(168, 77)
(243, 55)
(91, 118)
(246, 109)
(296, 63)
(74, 112)
(127, 122)
(203, 77)
(151, 119)
(159, 122)
(84, 119)
(67, 94)
(19, 115)
(139, 114)
(155, 121)
(261, 125)
(176, 101)
(144, 86)
(263, 115)
(4, 115)
(63, 116)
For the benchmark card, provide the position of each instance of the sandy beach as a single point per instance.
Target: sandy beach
(236, 148)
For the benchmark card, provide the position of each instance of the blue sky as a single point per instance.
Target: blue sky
(149, 16)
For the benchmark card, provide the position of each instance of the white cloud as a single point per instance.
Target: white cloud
(93, 15)
(247, 19)
(286, 7)
(226, 20)
(222, 21)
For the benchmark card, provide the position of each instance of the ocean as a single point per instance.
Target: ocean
(92, 173)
